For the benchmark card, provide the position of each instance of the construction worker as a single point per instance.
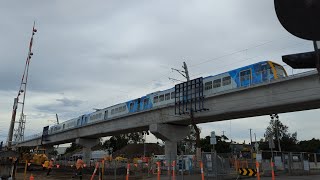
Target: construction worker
(46, 165)
(50, 166)
(79, 167)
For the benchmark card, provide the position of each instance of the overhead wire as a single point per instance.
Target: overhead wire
(236, 52)
(246, 59)
(206, 61)
(85, 109)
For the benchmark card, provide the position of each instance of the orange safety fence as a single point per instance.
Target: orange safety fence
(159, 172)
(240, 164)
(272, 170)
(95, 171)
(258, 170)
(128, 171)
(174, 170)
(202, 172)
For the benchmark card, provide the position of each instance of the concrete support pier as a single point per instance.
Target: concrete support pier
(48, 151)
(170, 134)
(87, 144)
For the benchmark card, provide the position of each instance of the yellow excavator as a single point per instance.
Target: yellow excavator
(35, 158)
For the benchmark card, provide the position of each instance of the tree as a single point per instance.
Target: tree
(221, 147)
(205, 144)
(189, 142)
(72, 148)
(117, 142)
(312, 145)
(135, 137)
(276, 128)
(289, 142)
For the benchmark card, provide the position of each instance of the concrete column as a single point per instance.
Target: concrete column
(87, 144)
(170, 150)
(48, 150)
(170, 134)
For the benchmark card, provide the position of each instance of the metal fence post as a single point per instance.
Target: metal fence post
(290, 163)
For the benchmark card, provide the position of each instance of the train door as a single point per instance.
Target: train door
(245, 78)
(106, 114)
(82, 120)
(138, 104)
(85, 119)
(145, 103)
(264, 72)
(79, 122)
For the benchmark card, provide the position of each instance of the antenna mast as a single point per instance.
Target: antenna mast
(19, 133)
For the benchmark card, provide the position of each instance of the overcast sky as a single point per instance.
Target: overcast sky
(93, 54)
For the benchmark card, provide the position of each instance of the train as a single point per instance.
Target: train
(242, 77)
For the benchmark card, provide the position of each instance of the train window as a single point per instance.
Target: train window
(145, 103)
(208, 85)
(124, 108)
(63, 126)
(280, 71)
(216, 83)
(167, 96)
(106, 114)
(155, 99)
(172, 95)
(131, 106)
(161, 98)
(226, 81)
(245, 75)
(112, 111)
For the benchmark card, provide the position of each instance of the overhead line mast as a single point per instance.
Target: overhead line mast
(19, 133)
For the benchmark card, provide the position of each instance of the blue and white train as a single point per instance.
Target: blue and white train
(242, 77)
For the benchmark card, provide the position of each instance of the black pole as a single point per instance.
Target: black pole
(316, 51)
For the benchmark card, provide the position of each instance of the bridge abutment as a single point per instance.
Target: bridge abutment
(87, 144)
(170, 134)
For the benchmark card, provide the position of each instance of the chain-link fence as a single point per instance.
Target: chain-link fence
(293, 163)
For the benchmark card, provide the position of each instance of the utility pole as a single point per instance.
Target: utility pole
(185, 73)
(251, 150)
(57, 118)
(255, 137)
(250, 136)
(277, 123)
(278, 137)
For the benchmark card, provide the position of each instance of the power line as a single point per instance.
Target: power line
(239, 51)
(194, 65)
(238, 61)
(246, 59)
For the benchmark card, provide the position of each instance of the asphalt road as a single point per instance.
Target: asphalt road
(40, 175)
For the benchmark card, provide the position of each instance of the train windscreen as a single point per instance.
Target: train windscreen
(280, 71)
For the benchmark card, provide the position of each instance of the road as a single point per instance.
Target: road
(67, 175)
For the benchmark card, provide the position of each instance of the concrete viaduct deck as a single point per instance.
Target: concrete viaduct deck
(294, 93)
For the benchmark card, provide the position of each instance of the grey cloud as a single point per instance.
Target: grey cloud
(62, 105)
(99, 50)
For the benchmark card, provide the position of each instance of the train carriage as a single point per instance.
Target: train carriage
(246, 76)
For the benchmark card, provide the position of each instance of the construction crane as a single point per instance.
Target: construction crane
(19, 133)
